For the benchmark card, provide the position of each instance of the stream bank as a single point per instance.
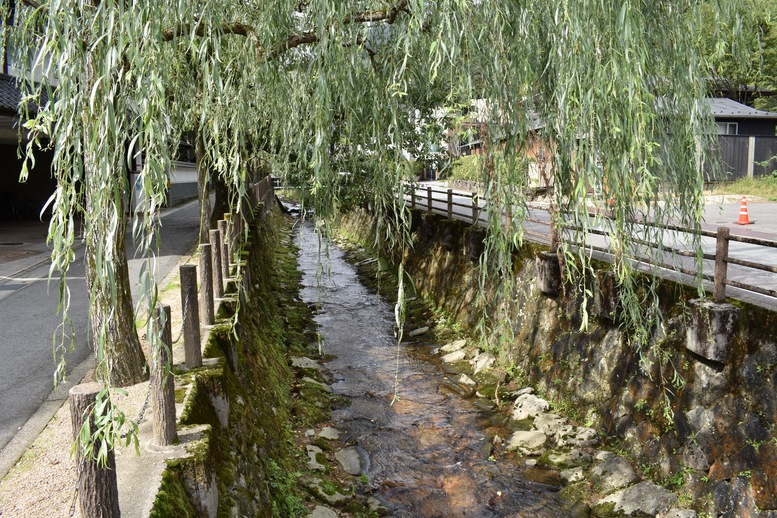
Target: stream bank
(702, 429)
(414, 439)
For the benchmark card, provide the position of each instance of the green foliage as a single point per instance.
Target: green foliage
(764, 187)
(99, 435)
(740, 52)
(466, 168)
(283, 486)
(320, 87)
(172, 500)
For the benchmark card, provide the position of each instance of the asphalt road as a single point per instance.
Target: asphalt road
(29, 319)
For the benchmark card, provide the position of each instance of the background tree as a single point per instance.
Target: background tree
(740, 53)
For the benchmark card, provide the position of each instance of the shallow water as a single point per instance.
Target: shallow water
(428, 451)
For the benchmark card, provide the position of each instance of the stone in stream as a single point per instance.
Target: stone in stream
(484, 361)
(455, 356)
(453, 346)
(329, 433)
(549, 424)
(643, 499)
(548, 477)
(528, 443)
(528, 405)
(572, 475)
(322, 386)
(484, 405)
(614, 473)
(301, 362)
(377, 507)
(316, 487)
(353, 459)
(459, 389)
(679, 513)
(322, 512)
(315, 453)
(564, 459)
(466, 380)
(577, 437)
(418, 332)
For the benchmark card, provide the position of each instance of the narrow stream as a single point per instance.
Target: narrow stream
(428, 451)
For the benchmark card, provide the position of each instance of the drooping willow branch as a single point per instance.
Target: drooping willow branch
(293, 41)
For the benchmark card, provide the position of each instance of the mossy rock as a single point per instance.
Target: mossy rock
(171, 499)
(606, 510)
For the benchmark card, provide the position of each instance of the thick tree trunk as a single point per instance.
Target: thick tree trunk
(120, 361)
(221, 205)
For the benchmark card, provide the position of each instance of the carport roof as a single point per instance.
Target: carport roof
(9, 93)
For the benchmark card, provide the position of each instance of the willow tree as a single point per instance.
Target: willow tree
(616, 84)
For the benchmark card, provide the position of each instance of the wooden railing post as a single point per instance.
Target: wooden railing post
(98, 492)
(721, 264)
(162, 400)
(191, 316)
(206, 285)
(216, 270)
(412, 196)
(554, 237)
(429, 198)
(475, 208)
(450, 203)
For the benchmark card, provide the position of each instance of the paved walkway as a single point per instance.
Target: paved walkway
(28, 312)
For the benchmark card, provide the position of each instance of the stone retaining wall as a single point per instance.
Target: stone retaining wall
(239, 400)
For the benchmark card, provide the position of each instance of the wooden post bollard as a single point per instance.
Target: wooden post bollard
(227, 231)
(98, 492)
(429, 198)
(450, 203)
(233, 222)
(412, 196)
(206, 285)
(216, 269)
(162, 398)
(191, 316)
(224, 237)
(475, 208)
(721, 266)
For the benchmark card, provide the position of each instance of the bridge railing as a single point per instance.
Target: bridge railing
(468, 207)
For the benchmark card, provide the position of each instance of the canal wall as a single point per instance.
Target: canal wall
(699, 421)
(241, 401)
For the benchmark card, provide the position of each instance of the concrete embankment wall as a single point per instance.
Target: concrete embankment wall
(240, 398)
(704, 427)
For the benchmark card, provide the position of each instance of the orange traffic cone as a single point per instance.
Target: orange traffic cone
(743, 219)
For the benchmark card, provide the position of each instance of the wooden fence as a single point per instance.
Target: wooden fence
(466, 206)
(742, 156)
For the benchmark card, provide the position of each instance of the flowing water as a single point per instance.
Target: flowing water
(428, 451)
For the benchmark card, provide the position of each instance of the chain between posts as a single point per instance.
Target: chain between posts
(143, 408)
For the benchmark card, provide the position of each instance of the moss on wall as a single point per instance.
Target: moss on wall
(248, 410)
